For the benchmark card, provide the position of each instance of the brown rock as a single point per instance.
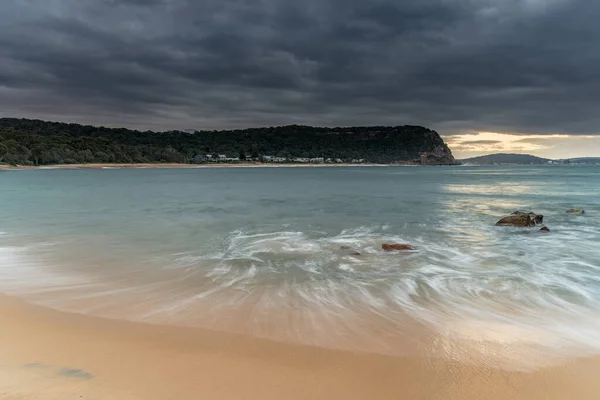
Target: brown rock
(544, 229)
(397, 247)
(537, 218)
(521, 219)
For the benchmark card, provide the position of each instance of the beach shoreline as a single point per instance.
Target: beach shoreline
(192, 166)
(48, 354)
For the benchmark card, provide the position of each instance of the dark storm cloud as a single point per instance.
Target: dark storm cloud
(529, 66)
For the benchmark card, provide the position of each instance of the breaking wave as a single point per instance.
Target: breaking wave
(517, 290)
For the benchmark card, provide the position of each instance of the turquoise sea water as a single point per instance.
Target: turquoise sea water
(259, 251)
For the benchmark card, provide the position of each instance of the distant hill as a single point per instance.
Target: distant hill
(34, 142)
(583, 160)
(528, 159)
(503, 158)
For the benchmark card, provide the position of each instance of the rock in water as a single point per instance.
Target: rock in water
(575, 211)
(537, 218)
(350, 251)
(521, 219)
(396, 247)
(544, 229)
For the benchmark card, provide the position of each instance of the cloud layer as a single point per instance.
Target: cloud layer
(525, 66)
(543, 145)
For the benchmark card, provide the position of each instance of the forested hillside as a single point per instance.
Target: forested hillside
(34, 142)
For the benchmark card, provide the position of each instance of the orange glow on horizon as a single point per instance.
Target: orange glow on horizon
(551, 145)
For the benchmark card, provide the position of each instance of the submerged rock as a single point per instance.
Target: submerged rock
(575, 211)
(349, 250)
(396, 247)
(544, 229)
(521, 219)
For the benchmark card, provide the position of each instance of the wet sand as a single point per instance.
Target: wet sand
(47, 354)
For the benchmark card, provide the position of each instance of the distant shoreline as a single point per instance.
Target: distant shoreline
(193, 166)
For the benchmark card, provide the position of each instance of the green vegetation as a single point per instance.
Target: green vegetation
(34, 142)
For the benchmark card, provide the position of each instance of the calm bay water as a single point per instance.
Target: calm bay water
(259, 251)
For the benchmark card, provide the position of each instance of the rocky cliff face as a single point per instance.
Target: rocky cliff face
(438, 153)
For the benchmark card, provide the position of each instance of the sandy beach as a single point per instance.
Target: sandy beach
(174, 165)
(47, 354)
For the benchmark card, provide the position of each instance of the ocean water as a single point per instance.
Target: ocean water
(273, 252)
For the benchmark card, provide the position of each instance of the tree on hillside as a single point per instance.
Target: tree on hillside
(3, 152)
(255, 153)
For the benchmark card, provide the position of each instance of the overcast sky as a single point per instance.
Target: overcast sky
(477, 71)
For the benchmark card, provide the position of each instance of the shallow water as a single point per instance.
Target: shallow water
(259, 251)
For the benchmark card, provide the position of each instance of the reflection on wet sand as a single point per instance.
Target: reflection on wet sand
(52, 355)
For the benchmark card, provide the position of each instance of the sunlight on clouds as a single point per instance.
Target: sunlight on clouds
(552, 146)
(486, 142)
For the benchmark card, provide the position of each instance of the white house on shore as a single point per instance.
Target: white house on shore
(274, 159)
